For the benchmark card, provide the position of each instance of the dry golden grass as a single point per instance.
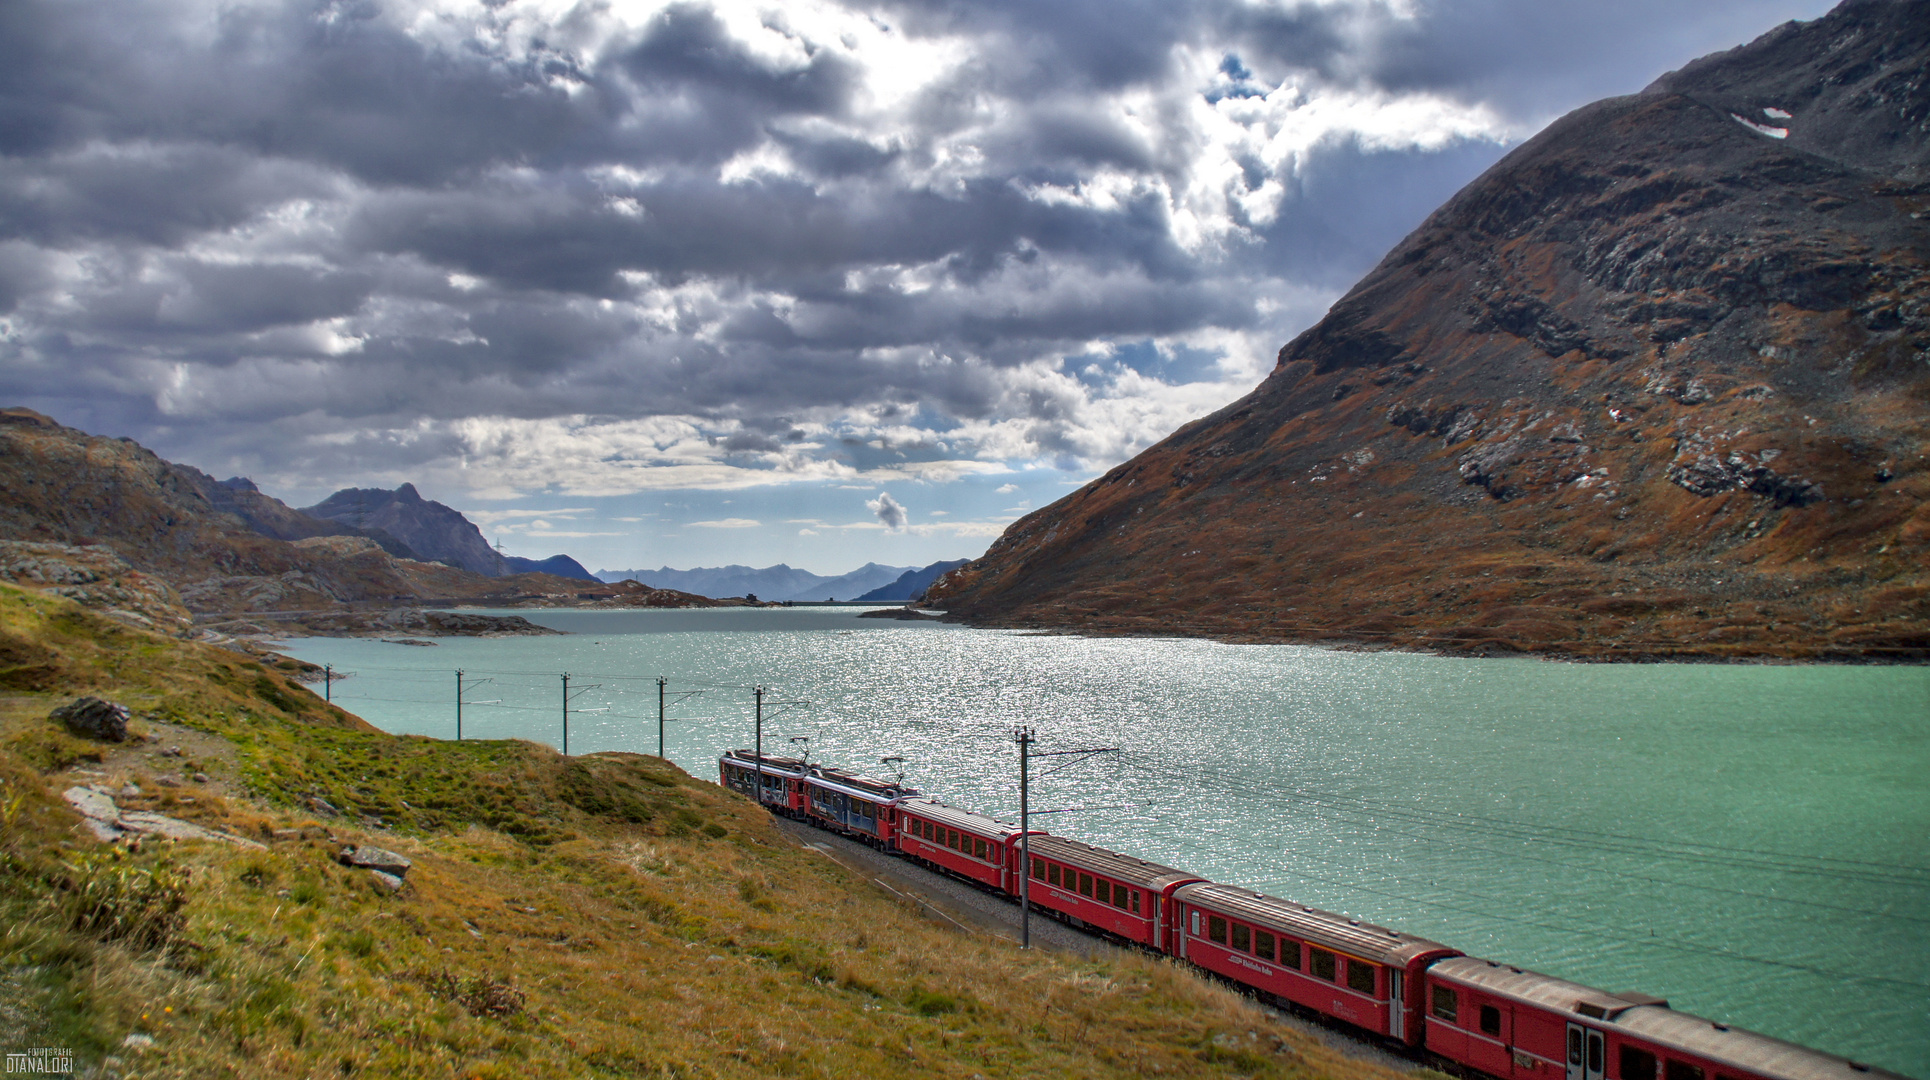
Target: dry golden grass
(616, 918)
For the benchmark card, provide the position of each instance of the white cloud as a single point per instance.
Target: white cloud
(890, 514)
(728, 523)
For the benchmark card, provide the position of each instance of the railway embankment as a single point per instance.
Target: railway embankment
(410, 907)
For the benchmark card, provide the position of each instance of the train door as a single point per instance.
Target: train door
(1396, 1004)
(1586, 1053)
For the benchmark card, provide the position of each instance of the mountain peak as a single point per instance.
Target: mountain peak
(437, 532)
(1651, 384)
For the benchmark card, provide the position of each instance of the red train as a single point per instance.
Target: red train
(1469, 1014)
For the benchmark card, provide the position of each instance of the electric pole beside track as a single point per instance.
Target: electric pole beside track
(1025, 737)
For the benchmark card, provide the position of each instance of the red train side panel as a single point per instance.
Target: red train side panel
(970, 845)
(1121, 895)
(1522, 1025)
(1367, 975)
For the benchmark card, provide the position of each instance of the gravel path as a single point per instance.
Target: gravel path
(950, 900)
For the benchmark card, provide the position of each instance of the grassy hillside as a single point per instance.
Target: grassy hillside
(596, 916)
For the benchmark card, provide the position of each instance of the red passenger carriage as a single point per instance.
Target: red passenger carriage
(1118, 894)
(1367, 975)
(969, 845)
(1522, 1025)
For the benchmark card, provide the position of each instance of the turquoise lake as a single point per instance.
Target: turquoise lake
(1751, 842)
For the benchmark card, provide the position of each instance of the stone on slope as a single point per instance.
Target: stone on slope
(93, 718)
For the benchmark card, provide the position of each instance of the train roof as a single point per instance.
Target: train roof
(865, 787)
(772, 763)
(964, 820)
(1126, 868)
(1652, 1019)
(1354, 937)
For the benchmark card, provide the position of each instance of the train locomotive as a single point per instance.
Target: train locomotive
(1470, 1015)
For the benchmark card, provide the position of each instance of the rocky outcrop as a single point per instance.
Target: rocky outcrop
(436, 532)
(109, 822)
(93, 718)
(98, 578)
(1653, 385)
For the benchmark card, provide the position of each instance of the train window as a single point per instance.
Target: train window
(1360, 977)
(1681, 1070)
(978, 847)
(1263, 944)
(1242, 938)
(1447, 1006)
(1134, 895)
(1119, 896)
(1321, 963)
(1038, 869)
(1490, 1019)
(1574, 1044)
(1637, 1064)
(1052, 873)
(953, 840)
(1085, 884)
(1594, 1053)
(1216, 928)
(1102, 891)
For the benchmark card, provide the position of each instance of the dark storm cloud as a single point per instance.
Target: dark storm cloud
(354, 218)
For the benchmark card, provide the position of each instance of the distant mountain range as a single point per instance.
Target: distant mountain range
(778, 582)
(911, 585)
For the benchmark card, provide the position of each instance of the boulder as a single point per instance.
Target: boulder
(92, 718)
(386, 881)
(374, 858)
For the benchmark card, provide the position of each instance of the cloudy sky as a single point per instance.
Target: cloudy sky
(822, 282)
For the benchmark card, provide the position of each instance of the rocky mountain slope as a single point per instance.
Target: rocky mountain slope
(1655, 384)
(204, 541)
(559, 565)
(271, 517)
(436, 531)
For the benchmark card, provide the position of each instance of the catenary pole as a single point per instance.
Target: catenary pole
(458, 704)
(566, 714)
(1024, 736)
(328, 680)
(660, 682)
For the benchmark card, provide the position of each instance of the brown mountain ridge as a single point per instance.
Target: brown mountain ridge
(185, 545)
(1656, 384)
